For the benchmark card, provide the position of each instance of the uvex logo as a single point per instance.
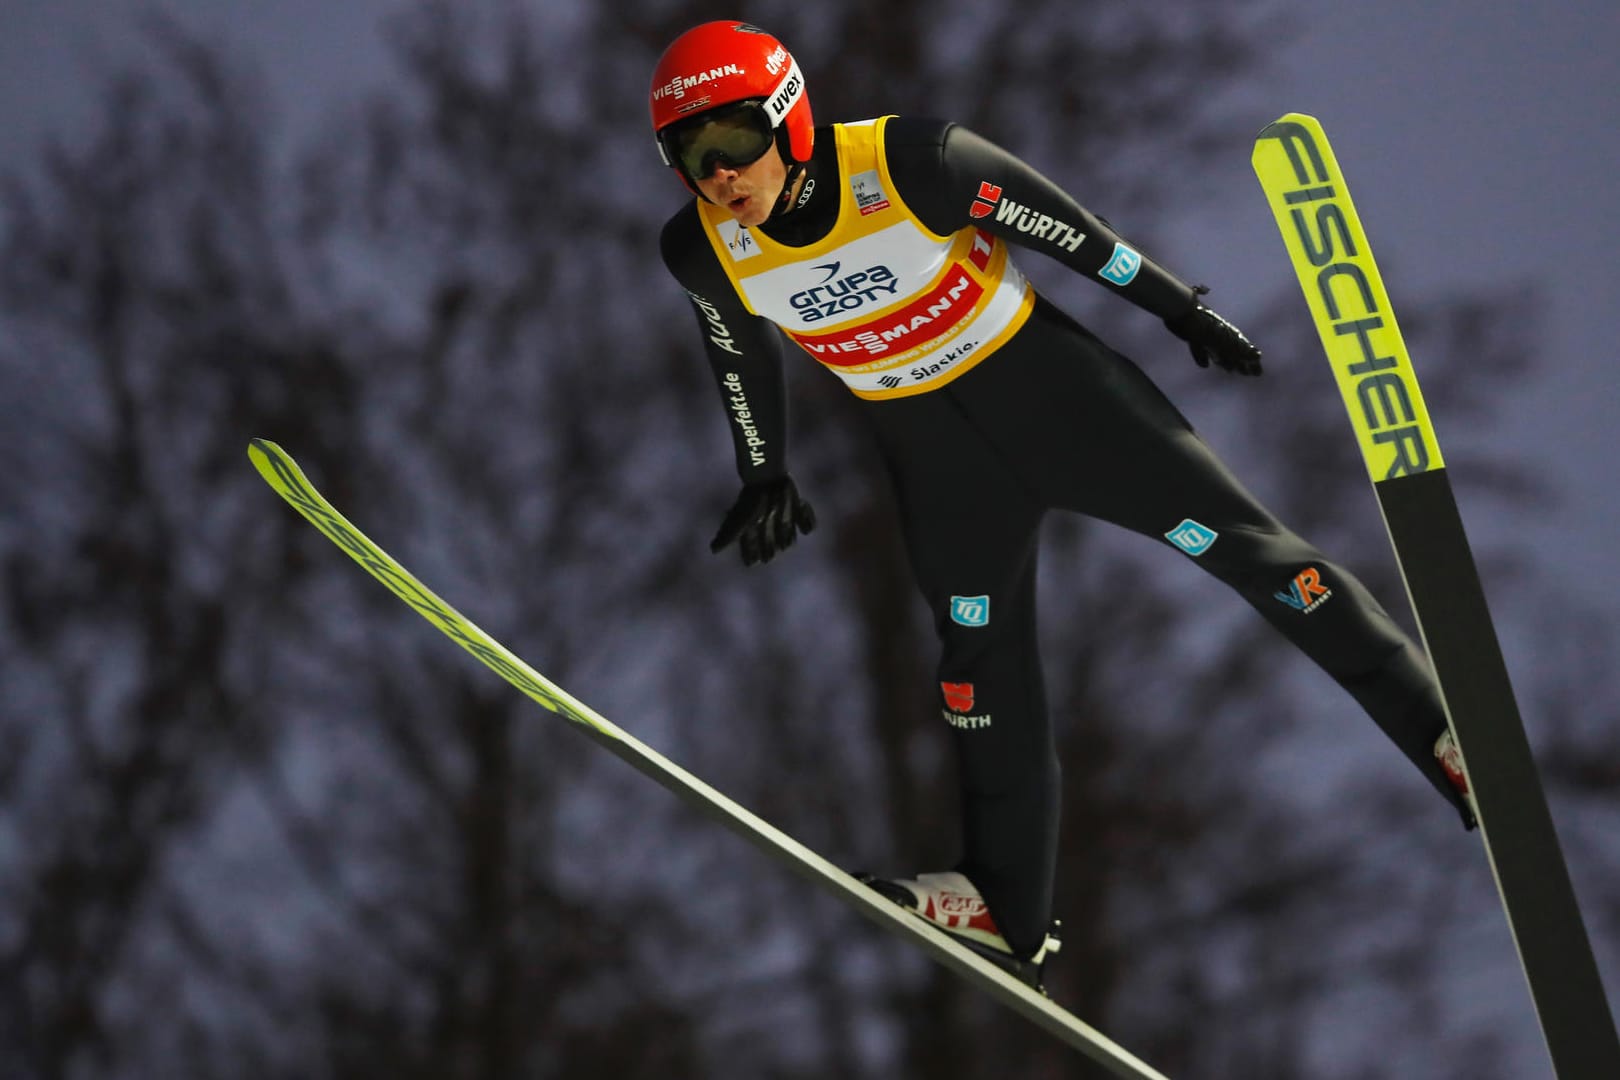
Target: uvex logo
(787, 94)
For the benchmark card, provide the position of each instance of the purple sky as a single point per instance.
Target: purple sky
(1481, 142)
(1482, 145)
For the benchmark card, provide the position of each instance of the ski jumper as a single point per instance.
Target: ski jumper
(991, 407)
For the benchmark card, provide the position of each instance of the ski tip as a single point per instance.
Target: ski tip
(1286, 122)
(263, 450)
(269, 459)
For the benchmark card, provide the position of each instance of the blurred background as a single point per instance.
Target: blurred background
(259, 820)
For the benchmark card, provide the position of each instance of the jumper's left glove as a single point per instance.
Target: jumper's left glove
(1211, 337)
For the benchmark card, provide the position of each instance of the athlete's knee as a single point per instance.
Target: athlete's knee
(1246, 556)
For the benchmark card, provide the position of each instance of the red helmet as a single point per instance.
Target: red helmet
(743, 71)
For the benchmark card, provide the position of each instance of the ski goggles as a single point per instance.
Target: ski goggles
(735, 135)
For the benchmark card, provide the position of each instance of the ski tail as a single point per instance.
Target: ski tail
(1346, 295)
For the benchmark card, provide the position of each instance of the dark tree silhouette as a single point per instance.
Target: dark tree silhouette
(259, 820)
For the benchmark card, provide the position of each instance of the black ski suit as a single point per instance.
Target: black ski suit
(1050, 418)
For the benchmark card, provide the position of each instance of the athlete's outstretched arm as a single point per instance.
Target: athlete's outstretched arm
(744, 350)
(745, 353)
(953, 178)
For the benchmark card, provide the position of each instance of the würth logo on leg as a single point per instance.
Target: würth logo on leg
(959, 702)
(958, 696)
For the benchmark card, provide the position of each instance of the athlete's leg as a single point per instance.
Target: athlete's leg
(1125, 454)
(971, 531)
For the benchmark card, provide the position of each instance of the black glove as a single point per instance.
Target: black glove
(1211, 337)
(764, 520)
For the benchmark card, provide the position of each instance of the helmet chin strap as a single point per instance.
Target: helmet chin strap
(784, 202)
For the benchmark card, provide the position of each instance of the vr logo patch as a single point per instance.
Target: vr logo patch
(970, 610)
(1191, 537)
(1306, 592)
(1122, 268)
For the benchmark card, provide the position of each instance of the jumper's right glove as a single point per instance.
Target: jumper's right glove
(765, 519)
(1211, 337)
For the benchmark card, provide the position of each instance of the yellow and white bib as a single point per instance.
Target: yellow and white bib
(887, 305)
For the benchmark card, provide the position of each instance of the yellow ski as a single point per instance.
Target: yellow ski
(282, 473)
(1346, 295)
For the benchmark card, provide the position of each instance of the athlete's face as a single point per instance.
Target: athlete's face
(749, 192)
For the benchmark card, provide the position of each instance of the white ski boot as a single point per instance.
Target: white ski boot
(950, 901)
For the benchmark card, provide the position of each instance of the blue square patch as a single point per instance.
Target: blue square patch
(970, 610)
(1192, 537)
(1122, 268)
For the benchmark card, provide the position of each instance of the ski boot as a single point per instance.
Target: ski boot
(949, 901)
(1449, 755)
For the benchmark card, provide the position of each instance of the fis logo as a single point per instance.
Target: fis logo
(738, 240)
(1122, 268)
(970, 610)
(1306, 592)
(1191, 537)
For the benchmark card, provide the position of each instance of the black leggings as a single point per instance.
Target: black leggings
(1056, 419)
